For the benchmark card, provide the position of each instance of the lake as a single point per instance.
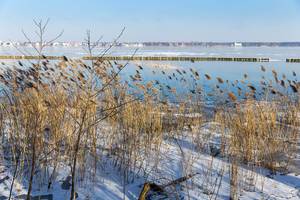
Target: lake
(230, 71)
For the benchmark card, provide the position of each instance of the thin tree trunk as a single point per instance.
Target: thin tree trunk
(33, 159)
(234, 181)
(14, 177)
(73, 196)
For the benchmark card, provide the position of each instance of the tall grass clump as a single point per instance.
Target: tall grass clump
(261, 133)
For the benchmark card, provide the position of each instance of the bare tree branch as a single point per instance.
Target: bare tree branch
(112, 44)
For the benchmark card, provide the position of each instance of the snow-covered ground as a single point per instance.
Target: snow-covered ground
(178, 158)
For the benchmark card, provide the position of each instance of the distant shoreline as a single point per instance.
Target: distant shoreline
(143, 58)
(161, 44)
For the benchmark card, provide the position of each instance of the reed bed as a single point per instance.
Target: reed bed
(78, 113)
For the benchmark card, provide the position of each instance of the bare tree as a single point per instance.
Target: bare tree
(39, 47)
(91, 94)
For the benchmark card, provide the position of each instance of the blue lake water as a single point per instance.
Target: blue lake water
(230, 71)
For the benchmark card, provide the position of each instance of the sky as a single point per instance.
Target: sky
(155, 20)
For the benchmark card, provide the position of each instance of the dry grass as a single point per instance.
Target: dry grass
(73, 112)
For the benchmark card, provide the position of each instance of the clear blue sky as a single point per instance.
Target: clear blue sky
(157, 20)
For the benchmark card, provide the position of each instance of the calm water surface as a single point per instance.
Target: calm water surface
(230, 71)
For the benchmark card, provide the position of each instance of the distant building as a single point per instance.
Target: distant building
(7, 44)
(55, 44)
(238, 44)
(132, 44)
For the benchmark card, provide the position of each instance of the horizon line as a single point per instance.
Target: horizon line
(216, 42)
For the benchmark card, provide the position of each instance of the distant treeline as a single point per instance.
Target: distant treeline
(165, 44)
(181, 58)
(152, 58)
(228, 44)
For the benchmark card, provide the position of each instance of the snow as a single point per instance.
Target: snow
(179, 157)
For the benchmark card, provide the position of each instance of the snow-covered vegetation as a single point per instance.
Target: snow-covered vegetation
(75, 129)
